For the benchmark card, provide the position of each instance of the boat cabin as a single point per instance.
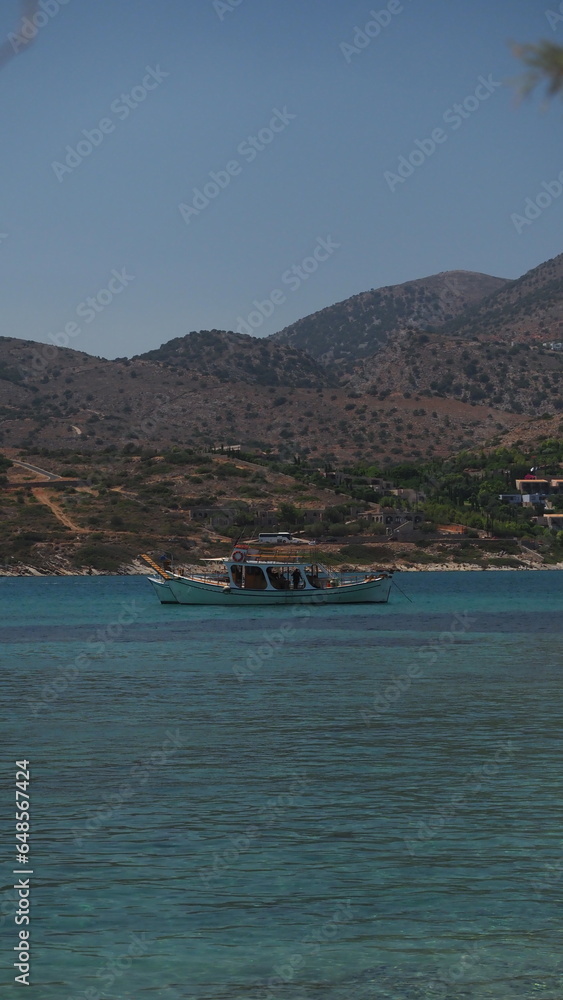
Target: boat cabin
(276, 576)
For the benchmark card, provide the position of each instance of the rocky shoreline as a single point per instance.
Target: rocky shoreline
(139, 569)
(24, 570)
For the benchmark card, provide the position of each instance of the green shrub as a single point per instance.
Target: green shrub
(105, 558)
(361, 553)
(180, 457)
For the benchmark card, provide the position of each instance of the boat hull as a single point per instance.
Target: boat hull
(163, 591)
(186, 591)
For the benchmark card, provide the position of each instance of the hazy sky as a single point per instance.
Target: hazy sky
(343, 108)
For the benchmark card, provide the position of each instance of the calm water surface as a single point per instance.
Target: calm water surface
(365, 804)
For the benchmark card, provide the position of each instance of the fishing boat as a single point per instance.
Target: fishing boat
(162, 590)
(248, 578)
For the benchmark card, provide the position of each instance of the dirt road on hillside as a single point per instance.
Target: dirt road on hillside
(44, 498)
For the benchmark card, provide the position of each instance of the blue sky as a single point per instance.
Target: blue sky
(343, 118)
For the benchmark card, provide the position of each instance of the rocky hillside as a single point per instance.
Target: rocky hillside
(528, 310)
(234, 357)
(78, 400)
(410, 371)
(518, 378)
(360, 326)
(501, 353)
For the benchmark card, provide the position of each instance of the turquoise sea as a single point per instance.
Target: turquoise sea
(358, 804)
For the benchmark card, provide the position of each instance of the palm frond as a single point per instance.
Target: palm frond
(545, 65)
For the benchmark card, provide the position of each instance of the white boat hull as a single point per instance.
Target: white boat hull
(162, 590)
(187, 591)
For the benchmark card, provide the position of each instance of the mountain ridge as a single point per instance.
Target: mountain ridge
(224, 354)
(359, 326)
(478, 372)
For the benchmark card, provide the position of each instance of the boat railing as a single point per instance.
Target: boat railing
(200, 576)
(327, 578)
(358, 576)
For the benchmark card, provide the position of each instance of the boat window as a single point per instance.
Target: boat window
(237, 575)
(312, 573)
(254, 578)
(276, 578)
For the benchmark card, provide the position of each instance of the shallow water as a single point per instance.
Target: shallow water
(368, 806)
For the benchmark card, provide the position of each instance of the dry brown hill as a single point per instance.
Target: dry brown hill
(409, 371)
(502, 352)
(517, 378)
(528, 310)
(363, 324)
(235, 357)
(100, 404)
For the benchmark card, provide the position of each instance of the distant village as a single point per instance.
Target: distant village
(400, 516)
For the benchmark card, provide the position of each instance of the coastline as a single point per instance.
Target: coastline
(30, 572)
